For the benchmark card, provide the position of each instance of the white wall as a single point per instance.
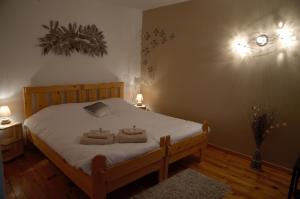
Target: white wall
(21, 61)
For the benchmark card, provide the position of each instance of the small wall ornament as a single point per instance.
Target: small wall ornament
(62, 40)
(152, 40)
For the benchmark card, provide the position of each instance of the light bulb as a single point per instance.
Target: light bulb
(286, 37)
(262, 40)
(240, 46)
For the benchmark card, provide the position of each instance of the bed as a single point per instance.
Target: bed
(188, 146)
(97, 174)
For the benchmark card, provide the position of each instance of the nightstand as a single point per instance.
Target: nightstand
(11, 140)
(141, 107)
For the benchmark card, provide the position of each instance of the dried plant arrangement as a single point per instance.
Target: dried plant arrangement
(262, 124)
(62, 40)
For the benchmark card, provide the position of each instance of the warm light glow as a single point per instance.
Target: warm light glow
(240, 46)
(283, 37)
(5, 111)
(139, 99)
(262, 40)
(280, 58)
(280, 24)
(286, 37)
(6, 94)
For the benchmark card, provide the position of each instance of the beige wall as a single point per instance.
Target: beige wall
(198, 77)
(22, 63)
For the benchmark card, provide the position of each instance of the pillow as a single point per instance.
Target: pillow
(98, 109)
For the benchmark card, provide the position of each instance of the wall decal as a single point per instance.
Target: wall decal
(62, 40)
(152, 40)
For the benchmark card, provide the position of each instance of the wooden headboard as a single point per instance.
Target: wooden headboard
(37, 98)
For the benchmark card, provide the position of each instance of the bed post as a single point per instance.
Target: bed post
(205, 126)
(27, 99)
(162, 168)
(166, 164)
(99, 189)
(205, 129)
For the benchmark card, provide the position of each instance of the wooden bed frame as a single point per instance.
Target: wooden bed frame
(103, 179)
(189, 146)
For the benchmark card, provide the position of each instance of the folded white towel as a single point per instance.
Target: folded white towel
(98, 134)
(125, 138)
(92, 141)
(133, 131)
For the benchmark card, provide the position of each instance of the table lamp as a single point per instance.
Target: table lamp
(139, 99)
(4, 115)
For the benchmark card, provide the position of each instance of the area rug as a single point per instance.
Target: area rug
(188, 184)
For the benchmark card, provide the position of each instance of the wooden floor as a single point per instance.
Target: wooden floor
(32, 176)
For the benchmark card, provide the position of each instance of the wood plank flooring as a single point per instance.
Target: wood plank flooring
(32, 176)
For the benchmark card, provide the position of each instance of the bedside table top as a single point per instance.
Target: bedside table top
(6, 126)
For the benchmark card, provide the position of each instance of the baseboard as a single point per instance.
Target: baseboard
(247, 157)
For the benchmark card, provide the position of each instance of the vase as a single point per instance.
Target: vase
(256, 162)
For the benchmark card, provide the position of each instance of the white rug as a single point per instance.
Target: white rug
(188, 184)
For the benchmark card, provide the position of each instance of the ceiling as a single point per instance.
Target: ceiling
(145, 4)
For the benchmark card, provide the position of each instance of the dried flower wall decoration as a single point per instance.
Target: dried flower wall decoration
(62, 40)
(152, 40)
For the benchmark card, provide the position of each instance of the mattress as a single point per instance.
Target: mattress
(60, 126)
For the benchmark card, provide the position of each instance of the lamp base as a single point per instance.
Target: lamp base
(139, 104)
(4, 122)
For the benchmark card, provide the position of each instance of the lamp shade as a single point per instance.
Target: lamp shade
(5, 111)
(139, 98)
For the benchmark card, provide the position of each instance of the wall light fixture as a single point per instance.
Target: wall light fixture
(262, 40)
(280, 38)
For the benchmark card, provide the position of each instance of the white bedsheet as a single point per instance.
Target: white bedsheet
(61, 126)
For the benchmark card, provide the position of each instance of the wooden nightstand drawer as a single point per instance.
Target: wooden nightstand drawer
(11, 151)
(11, 134)
(11, 140)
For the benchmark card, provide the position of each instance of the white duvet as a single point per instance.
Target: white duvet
(61, 126)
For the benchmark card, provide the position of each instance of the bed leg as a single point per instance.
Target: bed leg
(200, 155)
(166, 168)
(166, 159)
(98, 178)
(161, 171)
(202, 152)
(202, 149)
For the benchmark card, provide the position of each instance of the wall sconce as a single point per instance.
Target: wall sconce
(264, 43)
(5, 113)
